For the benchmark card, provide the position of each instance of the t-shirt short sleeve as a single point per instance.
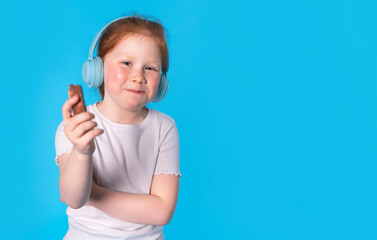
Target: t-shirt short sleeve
(168, 156)
(62, 143)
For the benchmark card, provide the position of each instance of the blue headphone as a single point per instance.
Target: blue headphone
(92, 69)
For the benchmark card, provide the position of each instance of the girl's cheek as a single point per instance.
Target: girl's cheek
(115, 74)
(120, 75)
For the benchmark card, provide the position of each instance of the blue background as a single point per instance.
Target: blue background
(275, 102)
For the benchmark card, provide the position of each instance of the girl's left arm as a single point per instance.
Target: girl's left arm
(156, 208)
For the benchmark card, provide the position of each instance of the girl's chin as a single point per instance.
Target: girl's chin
(136, 102)
(134, 106)
(131, 103)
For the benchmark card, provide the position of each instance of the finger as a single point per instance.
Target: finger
(66, 109)
(73, 122)
(90, 135)
(82, 128)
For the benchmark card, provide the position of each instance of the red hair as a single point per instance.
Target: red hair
(133, 25)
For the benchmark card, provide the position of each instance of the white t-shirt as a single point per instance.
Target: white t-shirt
(126, 158)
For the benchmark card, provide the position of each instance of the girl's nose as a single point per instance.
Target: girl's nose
(138, 76)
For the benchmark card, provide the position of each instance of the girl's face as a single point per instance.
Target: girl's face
(132, 72)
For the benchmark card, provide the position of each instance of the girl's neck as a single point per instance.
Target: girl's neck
(123, 116)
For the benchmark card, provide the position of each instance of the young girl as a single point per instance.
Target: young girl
(119, 161)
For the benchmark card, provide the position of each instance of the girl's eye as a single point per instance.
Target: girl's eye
(151, 68)
(127, 63)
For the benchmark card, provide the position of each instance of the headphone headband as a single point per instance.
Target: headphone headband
(98, 36)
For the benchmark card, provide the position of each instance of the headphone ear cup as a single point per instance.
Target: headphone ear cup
(92, 72)
(162, 88)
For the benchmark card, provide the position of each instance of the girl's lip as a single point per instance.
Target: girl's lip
(135, 91)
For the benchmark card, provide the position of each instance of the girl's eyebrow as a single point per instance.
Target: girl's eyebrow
(132, 57)
(128, 56)
(154, 62)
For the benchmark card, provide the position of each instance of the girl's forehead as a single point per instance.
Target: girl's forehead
(137, 45)
(138, 39)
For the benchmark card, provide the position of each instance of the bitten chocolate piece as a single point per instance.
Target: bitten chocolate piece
(80, 106)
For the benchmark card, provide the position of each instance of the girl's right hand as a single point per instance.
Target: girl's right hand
(79, 128)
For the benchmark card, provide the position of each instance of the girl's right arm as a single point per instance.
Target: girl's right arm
(76, 167)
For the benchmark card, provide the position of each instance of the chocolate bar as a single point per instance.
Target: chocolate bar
(80, 105)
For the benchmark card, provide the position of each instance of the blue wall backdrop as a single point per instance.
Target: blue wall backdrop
(275, 102)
